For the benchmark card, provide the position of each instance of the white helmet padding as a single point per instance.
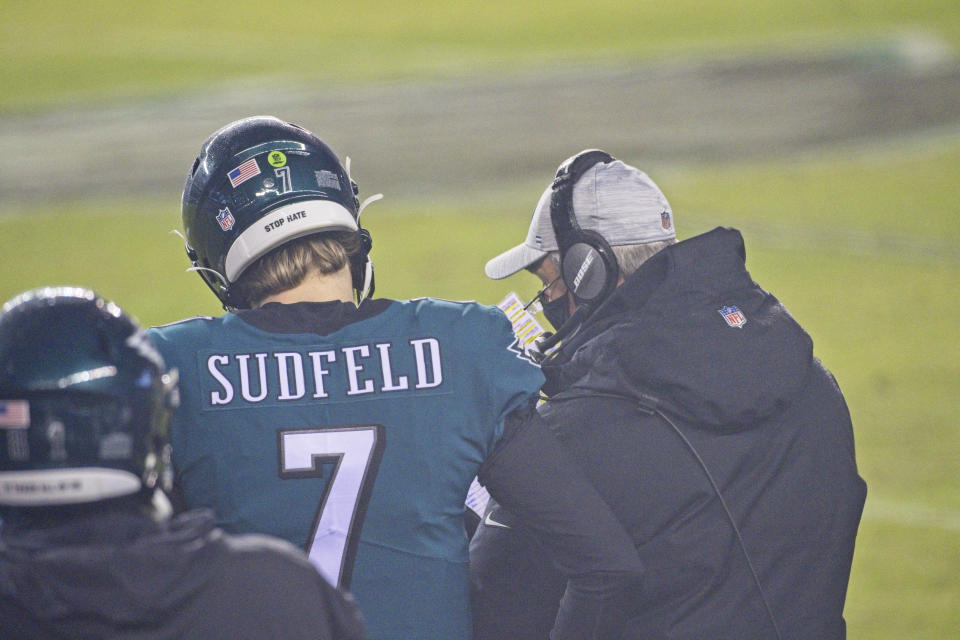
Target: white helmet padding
(283, 224)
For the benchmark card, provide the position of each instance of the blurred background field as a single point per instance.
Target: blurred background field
(828, 132)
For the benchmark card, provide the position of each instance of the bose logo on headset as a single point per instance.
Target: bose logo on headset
(583, 270)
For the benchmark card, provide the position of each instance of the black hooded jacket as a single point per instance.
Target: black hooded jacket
(124, 575)
(665, 403)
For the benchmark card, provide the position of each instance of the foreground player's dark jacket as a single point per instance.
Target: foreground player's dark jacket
(767, 421)
(121, 574)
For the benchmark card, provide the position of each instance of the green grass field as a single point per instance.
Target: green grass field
(861, 246)
(52, 51)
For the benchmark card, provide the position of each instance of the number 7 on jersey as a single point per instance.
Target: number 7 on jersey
(355, 453)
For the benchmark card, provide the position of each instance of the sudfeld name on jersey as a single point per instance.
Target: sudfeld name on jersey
(240, 378)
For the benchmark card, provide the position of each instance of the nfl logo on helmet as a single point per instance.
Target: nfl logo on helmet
(733, 316)
(225, 218)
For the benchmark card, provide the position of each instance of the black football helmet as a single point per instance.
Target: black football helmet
(258, 183)
(85, 402)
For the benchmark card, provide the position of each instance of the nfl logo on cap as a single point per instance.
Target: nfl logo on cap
(733, 316)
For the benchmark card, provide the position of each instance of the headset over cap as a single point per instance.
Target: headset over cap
(594, 203)
(257, 184)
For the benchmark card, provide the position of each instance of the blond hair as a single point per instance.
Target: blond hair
(288, 265)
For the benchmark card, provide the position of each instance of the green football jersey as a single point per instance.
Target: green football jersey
(354, 434)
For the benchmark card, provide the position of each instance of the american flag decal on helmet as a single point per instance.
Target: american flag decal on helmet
(239, 175)
(733, 316)
(14, 414)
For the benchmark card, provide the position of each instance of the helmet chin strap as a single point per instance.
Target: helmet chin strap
(209, 270)
(367, 289)
(363, 205)
(368, 200)
(223, 295)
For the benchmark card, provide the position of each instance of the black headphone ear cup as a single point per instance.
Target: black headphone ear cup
(589, 268)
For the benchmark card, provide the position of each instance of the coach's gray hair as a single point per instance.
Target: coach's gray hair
(629, 256)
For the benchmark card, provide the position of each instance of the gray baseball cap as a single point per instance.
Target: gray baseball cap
(618, 201)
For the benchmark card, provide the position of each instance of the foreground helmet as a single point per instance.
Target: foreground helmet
(259, 183)
(85, 401)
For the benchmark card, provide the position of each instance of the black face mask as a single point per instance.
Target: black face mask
(557, 311)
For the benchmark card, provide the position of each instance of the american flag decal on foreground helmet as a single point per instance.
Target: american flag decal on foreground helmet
(14, 414)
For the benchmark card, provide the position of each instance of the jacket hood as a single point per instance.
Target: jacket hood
(137, 573)
(691, 329)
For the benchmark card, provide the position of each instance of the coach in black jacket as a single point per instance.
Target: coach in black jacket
(694, 401)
